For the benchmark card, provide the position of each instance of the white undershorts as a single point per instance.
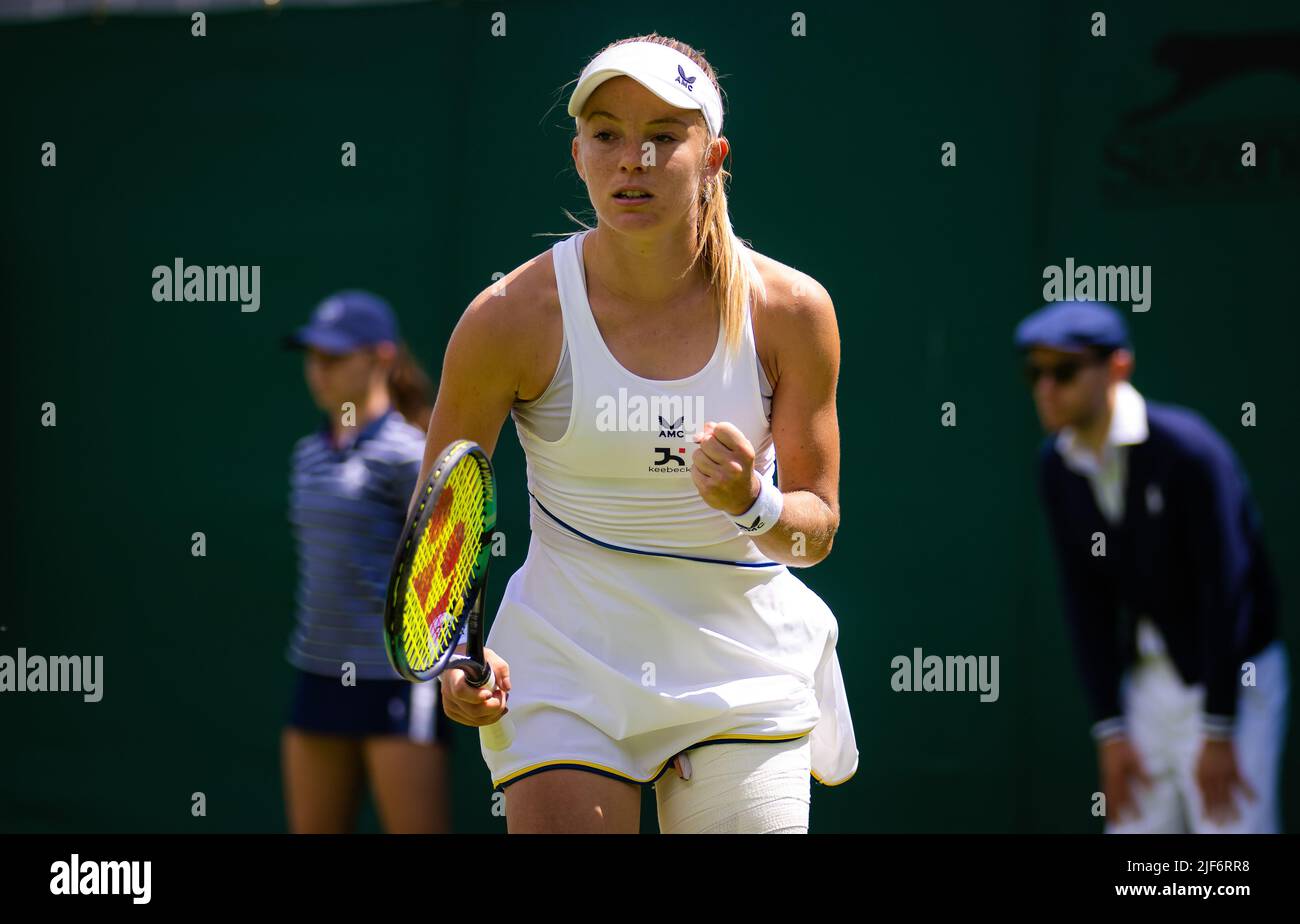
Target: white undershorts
(754, 787)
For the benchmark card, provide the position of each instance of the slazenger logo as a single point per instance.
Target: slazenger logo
(649, 414)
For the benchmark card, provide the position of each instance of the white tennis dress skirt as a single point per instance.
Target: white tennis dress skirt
(620, 661)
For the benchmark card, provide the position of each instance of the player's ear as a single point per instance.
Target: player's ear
(718, 155)
(577, 161)
(1121, 365)
(386, 352)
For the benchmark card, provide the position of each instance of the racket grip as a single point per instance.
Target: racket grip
(500, 734)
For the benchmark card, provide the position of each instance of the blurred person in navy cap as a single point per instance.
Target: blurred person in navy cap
(352, 717)
(1169, 596)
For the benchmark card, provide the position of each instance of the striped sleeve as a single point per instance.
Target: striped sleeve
(401, 446)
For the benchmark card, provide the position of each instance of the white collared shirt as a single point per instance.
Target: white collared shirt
(1109, 475)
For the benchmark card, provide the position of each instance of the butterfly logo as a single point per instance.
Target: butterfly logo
(672, 429)
(687, 82)
(757, 524)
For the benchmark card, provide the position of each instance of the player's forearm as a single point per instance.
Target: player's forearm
(803, 535)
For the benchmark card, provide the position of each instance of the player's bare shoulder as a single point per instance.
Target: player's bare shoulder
(796, 319)
(520, 314)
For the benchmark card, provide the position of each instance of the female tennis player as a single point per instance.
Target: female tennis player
(654, 634)
(352, 717)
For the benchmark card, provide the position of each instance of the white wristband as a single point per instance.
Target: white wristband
(764, 512)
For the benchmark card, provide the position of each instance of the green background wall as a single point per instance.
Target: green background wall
(225, 150)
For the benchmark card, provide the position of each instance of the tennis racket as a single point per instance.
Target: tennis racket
(438, 583)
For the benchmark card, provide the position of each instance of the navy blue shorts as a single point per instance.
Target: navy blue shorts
(325, 706)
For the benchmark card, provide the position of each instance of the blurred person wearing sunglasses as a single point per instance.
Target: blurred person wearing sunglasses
(1168, 592)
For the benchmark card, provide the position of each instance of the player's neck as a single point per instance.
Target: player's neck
(643, 270)
(376, 405)
(1093, 435)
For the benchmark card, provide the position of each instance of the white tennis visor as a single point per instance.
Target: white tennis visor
(665, 72)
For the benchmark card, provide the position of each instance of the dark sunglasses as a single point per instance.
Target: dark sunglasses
(1063, 372)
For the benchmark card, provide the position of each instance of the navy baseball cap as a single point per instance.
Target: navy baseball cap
(1073, 326)
(346, 321)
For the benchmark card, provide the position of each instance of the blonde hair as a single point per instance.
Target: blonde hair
(727, 259)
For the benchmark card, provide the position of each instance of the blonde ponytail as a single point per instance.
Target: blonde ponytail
(726, 258)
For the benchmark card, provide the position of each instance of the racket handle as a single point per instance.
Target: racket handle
(477, 673)
(500, 734)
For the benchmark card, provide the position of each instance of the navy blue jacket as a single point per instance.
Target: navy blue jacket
(1189, 554)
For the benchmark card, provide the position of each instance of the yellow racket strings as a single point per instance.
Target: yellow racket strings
(443, 567)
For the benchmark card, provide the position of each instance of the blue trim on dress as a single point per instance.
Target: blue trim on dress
(619, 548)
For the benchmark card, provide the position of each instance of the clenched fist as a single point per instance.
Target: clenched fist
(723, 468)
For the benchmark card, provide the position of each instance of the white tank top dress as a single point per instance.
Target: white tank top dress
(643, 622)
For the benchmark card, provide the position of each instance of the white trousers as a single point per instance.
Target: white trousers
(1163, 716)
(754, 787)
